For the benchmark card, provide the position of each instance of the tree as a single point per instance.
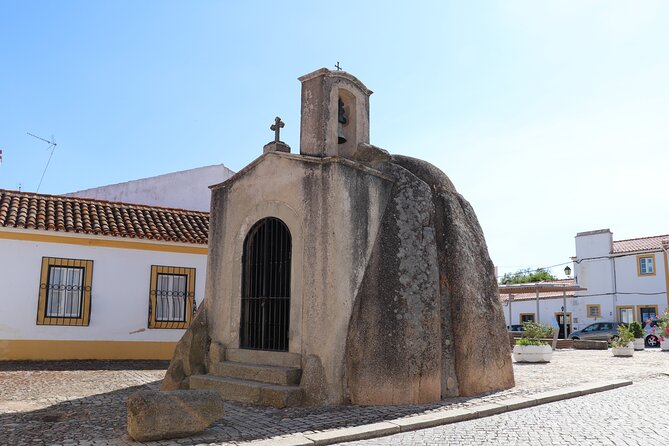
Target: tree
(526, 276)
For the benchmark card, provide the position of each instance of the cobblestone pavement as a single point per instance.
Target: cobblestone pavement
(629, 415)
(84, 402)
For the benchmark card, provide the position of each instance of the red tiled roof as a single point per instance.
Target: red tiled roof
(26, 210)
(652, 243)
(544, 294)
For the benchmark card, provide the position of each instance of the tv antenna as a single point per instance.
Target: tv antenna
(52, 147)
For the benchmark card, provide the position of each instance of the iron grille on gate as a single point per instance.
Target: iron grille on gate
(265, 309)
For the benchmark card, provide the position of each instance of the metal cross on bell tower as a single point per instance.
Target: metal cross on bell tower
(276, 128)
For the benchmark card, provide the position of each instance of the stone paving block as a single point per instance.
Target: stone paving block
(519, 402)
(623, 382)
(596, 386)
(556, 395)
(433, 419)
(288, 440)
(354, 433)
(486, 410)
(89, 401)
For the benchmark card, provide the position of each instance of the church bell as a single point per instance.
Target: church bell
(341, 138)
(341, 119)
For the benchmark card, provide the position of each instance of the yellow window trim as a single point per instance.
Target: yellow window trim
(599, 310)
(639, 307)
(638, 265)
(570, 322)
(666, 274)
(190, 295)
(84, 319)
(625, 307)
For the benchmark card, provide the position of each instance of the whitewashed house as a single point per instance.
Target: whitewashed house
(626, 280)
(549, 302)
(90, 279)
(614, 281)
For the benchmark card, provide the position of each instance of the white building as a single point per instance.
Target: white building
(550, 303)
(187, 189)
(626, 280)
(91, 279)
(615, 281)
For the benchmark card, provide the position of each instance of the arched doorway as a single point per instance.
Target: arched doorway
(265, 305)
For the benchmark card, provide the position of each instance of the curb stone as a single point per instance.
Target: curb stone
(447, 416)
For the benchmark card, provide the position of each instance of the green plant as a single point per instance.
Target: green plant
(662, 329)
(636, 329)
(526, 276)
(625, 336)
(528, 341)
(534, 332)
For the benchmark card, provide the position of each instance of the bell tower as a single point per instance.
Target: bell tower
(335, 114)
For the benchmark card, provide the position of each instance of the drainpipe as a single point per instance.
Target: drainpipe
(664, 245)
(614, 297)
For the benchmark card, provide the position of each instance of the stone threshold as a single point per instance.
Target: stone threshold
(439, 418)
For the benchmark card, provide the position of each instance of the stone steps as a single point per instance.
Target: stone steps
(263, 357)
(285, 376)
(246, 391)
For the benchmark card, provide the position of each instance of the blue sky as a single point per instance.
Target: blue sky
(551, 118)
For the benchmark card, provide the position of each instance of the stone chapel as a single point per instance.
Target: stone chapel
(343, 274)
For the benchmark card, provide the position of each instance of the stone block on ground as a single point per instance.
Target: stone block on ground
(590, 345)
(157, 415)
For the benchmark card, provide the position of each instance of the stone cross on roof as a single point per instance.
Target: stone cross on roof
(276, 128)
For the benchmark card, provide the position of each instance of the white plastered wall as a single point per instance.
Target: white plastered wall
(119, 296)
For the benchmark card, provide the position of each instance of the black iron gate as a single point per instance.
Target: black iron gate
(265, 309)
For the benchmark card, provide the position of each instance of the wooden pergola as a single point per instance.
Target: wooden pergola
(542, 287)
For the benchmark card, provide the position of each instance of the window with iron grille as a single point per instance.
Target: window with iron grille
(171, 300)
(65, 292)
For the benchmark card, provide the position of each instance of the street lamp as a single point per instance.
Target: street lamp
(567, 272)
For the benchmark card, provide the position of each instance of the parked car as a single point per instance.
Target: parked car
(604, 331)
(599, 331)
(515, 327)
(651, 340)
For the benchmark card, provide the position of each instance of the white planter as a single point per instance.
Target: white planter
(639, 344)
(664, 345)
(623, 351)
(532, 353)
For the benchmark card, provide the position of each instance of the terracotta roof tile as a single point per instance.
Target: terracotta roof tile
(652, 243)
(26, 210)
(543, 295)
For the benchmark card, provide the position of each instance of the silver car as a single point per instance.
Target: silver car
(599, 331)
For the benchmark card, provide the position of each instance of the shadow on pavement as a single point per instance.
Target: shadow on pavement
(102, 417)
(12, 366)
(97, 417)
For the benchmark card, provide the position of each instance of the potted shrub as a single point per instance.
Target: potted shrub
(533, 347)
(637, 332)
(623, 344)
